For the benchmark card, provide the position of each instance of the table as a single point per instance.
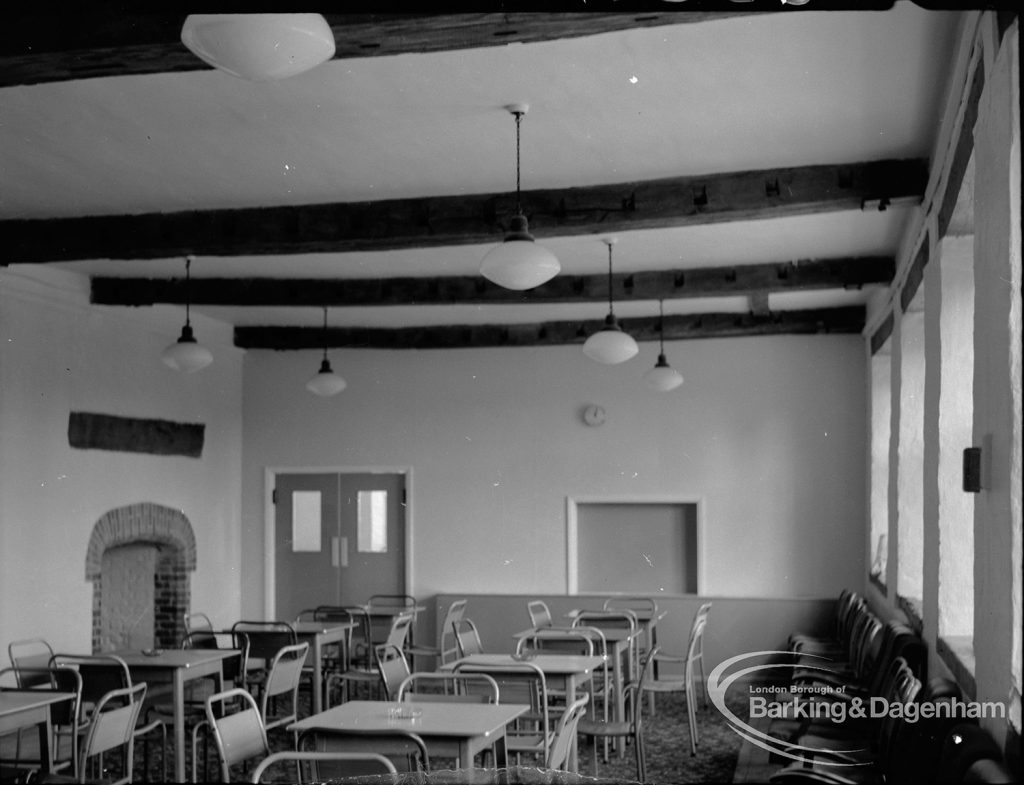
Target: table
(320, 634)
(177, 666)
(21, 709)
(449, 729)
(574, 670)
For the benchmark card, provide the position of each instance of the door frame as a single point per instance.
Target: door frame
(270, 474)
(572, 531)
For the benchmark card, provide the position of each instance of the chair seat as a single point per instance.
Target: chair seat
(599, 728)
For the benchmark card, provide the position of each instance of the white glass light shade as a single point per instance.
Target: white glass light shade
(326, 382)
(519, 263)
(610, 345)
(663, 377)
(185, 354)
(259, 47)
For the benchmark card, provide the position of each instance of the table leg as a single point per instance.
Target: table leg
(500, 754)
(318, 681)
(179, 725)
(45, 733)
(570, 696)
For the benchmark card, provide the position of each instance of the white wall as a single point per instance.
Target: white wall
(57, 355)
(767, 432)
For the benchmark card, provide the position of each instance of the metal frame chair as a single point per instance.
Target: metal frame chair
(467, 637)
(112, 724)
(64, 716)
(540, 614)
(449, 687)
(565, 733)
(239, 735)
(405, 749)
(361, 763)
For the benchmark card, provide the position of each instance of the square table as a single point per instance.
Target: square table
(178, 667)
(450, 729)
(24, 708)
(573, 670)
(320, 634)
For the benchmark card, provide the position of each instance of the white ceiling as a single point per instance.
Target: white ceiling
(730, 94)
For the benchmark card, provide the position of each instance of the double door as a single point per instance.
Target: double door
(339, 538)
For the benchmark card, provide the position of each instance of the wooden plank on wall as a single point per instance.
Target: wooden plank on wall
(92, 431)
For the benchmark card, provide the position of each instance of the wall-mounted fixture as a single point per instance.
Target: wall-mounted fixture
(610, 345)
(662, 377)
(260, 47)
(326, 382)
(519, 263)
(972, 469)
(185, 354)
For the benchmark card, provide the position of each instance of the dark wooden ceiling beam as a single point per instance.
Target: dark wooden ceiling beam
(468, 219)
(752, 279)
(677, 327)
(40, 48)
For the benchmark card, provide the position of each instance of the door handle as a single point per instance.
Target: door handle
(339, 551)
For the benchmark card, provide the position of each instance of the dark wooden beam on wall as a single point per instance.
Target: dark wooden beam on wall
(803, 275)
(677, 327)
(92, 431)
(468, 219)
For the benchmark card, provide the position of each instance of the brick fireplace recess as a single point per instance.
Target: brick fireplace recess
(138, 560)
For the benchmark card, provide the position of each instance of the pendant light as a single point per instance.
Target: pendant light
(326, 382)
(662, 377)
(259, 47)
(610, 345)
(519, 263)
(186, 355)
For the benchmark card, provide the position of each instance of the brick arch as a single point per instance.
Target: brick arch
(163, 565)
(142, 522)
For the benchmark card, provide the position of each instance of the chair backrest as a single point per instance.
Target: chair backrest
(342, 764)
(197, 622)
(332, 613)
(34, 653)
(646, 605)
(392, 666)
(449, 687)
(239, 735)
(519, 682)
(446, 638)
(540, 614)
(266, 638)
(467, 637)
(399, 633)
(565, 732)
(614, 620)
(283, 678)
(636, 687)
(406, 749)
(112, 725)
(557, 640)
(100, 673)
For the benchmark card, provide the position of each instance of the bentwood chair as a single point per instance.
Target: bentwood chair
(102, 674)
(237, 729)
(629, 729)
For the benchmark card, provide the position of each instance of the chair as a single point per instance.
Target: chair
(404, 749)
(393, 604)
(523, 683)
(197, 622)
(239, 735)
(565, 733)
(370, 676)
(682, 682)
(350, 764)
(64, 716)
(540, 615)
(448, 687)
(31, 653)
(283, 678)
(100, 675)
(393, 668)
(467, 637)
(112, 725)
(630, 729)
(446, 649)
(624, 621)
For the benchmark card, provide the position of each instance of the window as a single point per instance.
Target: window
(306, 522)
(372, 531)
